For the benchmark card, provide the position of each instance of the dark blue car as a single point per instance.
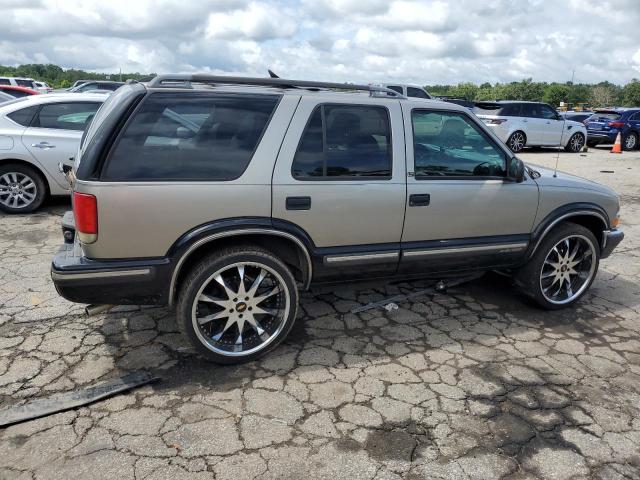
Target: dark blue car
(604, 125)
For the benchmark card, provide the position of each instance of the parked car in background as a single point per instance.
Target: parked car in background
(43, 87)
(5, 97)
(576, 116)
(604, 125)
(18, 92)
(96, 85)
(37, 133)
(413, 91)
(224, 202)
(18, 82)
(526, 124)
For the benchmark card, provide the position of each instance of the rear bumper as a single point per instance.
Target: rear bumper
(611, 240)
(131, 282)
(604, 137)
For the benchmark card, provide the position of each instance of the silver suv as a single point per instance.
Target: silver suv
(222, 197)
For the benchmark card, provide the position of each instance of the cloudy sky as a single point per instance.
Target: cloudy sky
(422, 42)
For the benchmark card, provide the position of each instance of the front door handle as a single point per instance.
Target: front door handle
(298, 203)
(43, 145)
(419, 200)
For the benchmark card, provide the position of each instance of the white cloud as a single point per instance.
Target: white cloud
(341, 40)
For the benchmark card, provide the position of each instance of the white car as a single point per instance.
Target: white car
(36, 134)
(18, 82)
(527, 124)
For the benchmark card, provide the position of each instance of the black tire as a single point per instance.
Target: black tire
(591, 144)
(13, 191)
(630, 141)
(575, 143)
(530, 278)
(516, 141)
(191, 311)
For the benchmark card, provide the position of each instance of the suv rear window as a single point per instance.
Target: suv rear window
(604, 116)
(190, 137)
(344, 141)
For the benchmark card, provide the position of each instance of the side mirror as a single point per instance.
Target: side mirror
(516, 170)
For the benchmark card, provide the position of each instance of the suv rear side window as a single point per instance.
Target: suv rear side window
(448, 144)
(65, 116)
(344, 141)
(191, 137)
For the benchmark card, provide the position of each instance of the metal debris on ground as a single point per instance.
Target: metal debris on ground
(42, 407)
(440, 287)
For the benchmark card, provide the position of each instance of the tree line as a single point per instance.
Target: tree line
(603, 94)
(58, 77)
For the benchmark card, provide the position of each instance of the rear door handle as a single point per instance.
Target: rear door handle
(43, 145)
(419, 200)
(298, 203)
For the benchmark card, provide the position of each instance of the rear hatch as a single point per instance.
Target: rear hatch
(602, 120)
(491, 113)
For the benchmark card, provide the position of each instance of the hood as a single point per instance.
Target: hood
(567, 180)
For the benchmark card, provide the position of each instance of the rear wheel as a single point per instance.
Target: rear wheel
(591, 144)
(237, 304)
(563, 267)
(575, 143)
(630, 141)
(517, 141)
(22, 189)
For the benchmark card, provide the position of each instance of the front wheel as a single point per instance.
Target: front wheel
(237, 304)
(563, 267)
(517, 141)
(575, 143)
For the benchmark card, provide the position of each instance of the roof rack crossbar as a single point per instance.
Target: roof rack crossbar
(163, 80)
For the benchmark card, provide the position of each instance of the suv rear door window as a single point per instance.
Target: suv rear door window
(448, 144)
(511, 110)
(190, 137)
(396, 88)
(65, 116)
(343, 142)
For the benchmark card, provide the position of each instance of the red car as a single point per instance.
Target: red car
(18, 92)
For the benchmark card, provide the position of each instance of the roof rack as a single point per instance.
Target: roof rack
(167, 80)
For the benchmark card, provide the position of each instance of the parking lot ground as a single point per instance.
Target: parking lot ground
(476, 384)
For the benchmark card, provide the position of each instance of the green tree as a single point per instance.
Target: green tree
(556, 93)
(464, 90)
(631, 94)
(604, 94)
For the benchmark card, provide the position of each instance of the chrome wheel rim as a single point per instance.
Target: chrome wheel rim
(241, 309)
(517, 142)
(17, 190)
(576, 143)
(568, 269)
(630, 142)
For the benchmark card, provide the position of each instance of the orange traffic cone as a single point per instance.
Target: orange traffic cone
(617, 147)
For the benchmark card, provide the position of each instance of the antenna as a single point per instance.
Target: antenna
(564, 122)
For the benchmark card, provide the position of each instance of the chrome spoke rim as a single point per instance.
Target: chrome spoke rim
(630, 142)
(568, 269)
(241, 309)
(576, 143)
(17, 190)
(517, 142)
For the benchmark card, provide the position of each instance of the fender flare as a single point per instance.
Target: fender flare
(561, 214)
(207, 233)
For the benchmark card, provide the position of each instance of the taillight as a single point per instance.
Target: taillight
(85, 213)
(616, 124)
(497, 121)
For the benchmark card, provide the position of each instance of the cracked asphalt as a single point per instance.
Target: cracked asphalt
(475, 384)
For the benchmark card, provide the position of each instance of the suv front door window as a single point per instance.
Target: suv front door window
(459, 175)
(552, 125)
